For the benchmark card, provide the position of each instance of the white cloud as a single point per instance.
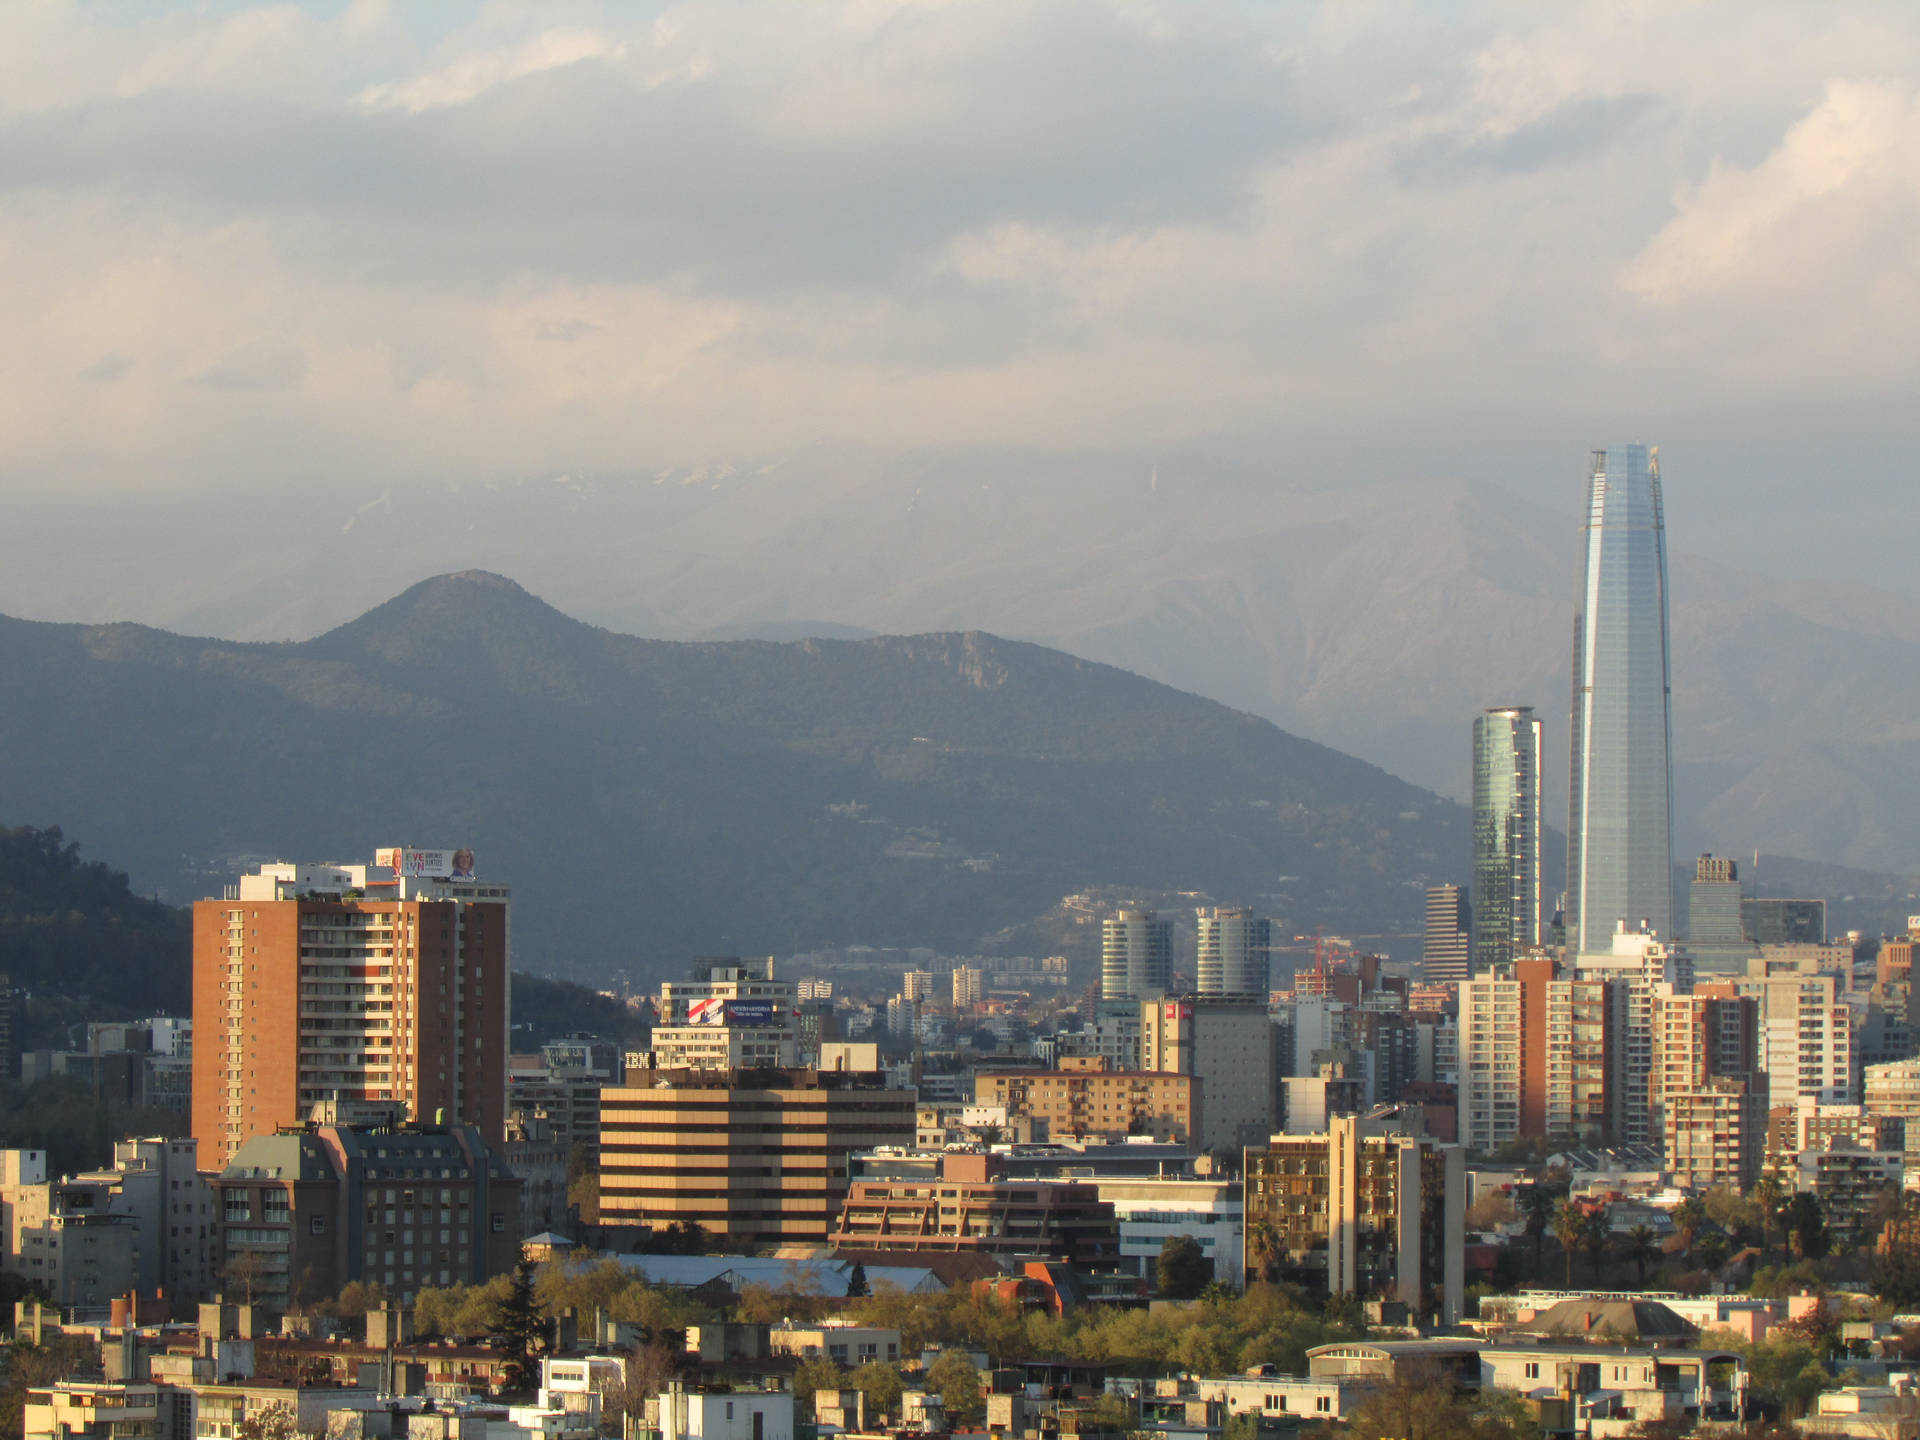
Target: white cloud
(470, 76)
(563, 237)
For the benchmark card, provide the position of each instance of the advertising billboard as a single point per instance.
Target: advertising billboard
(706, 1012)
(749, 1012)
(426, 864)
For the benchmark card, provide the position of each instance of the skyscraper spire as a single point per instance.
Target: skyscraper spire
(1620, 799)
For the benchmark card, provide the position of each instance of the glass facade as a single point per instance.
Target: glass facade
(1506, 834)
(1136, 955)
(1620, 802)
(1232, 952)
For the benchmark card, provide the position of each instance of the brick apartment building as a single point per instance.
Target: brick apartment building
(383, 982)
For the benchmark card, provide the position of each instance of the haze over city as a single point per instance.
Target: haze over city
(861, 719)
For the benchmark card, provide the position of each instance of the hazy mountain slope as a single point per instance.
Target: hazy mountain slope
(650, 799)
(1377, 619)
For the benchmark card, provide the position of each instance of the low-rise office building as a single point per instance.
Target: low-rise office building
(1152, 1211)
(972, 1207)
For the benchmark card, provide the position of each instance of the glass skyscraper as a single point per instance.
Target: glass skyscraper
(1620, 799)
(1136, 955)
(1506, 834)
(1231, 957)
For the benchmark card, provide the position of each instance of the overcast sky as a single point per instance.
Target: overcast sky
(282, 244)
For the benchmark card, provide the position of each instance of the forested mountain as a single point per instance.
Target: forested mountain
(76, 929)
(649, 800)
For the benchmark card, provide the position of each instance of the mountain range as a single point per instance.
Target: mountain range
(1376, 619)
(649, 800)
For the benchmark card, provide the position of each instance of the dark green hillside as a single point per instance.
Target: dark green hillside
(75, 930)
(650, 800)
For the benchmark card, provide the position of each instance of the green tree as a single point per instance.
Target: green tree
(1537, 1206)
(1594, 1233)
(1711, 1250)
(1806, 1227)
(811, 1375)
(1689, 1218)
(1182, 1269)
(30, 1366)
(1769, 1191)
(1638, 1246)
(271, 1422)
(1426, 1405)
(880, 1383)
(519, 1323)
(857, 1285)
(953, 1375)
(1895, 1273)
(1569, 1227)
(1263, 1250)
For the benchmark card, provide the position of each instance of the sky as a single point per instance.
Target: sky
(286, 245)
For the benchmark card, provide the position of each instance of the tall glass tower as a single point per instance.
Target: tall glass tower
(1506, 834)
(1620, 799)
(1136, 955)
(1232, 954)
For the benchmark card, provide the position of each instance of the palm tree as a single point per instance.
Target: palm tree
(1536, 1204)
(1594, 1231)
(1569, 1226)
(1688, 1216)
(1263, 1248)
(1768, 1194)
(1638, 1246)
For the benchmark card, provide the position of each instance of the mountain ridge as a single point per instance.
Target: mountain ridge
(741, 795)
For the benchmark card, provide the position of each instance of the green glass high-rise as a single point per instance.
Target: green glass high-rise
(1506, 834)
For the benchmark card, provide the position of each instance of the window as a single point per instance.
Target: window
(317, 1225)
(239, 1205)
(500, 1228)
(1533, 1370)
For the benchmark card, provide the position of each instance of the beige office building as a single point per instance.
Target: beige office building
(756, 1157)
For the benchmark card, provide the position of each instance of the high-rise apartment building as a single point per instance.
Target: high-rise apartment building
(1808, 1030)
(1639, 967)
(1446, 955)
(1506, 834)
(1233, 953)
(1136, 955)
(969, 986)
(1892, 1091)
(1717, 1134)
(1491, 1011)
(1620, 810)
(1227, 1044)
(382, 982)
(1698, 1040)
(1581, 1016)
(1362, 1209)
